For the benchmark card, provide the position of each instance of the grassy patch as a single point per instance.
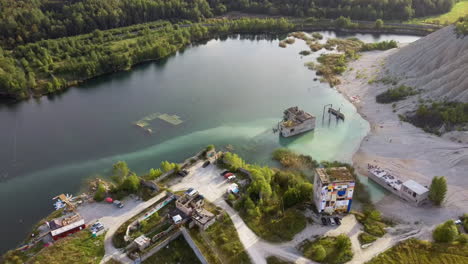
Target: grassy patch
(414, 251)
(77, 248)
(365, 238)
(396, 94)
(277, 229)
(331, 250)
(458, 10)
(221, 242)
(177, 251)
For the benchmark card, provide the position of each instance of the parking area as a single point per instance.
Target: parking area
(207, 181)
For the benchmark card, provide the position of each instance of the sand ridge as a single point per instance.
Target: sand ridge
(399, 146)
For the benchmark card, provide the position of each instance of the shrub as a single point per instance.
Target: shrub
(317, 253)
(317, 35)
(365, 238)
(304, 52)
(100, 193)
(395, 94)
(446, 232)
(379, 23)
(344, 22)
(383, 45)
(438, 190)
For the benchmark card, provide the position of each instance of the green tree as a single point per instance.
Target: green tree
(120, 171)
(446, 232)
(317, 253)
(131, 183)
(438, 190)
(100, 192)
(167, 166)
(379, 23)
(154, 173)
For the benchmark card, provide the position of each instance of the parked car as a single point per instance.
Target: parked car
(324, 221)
(183, 173)
(231, 178)
(458, 222)
(337, 220)
(332, 221)
(328, 221)
(96, 227)
(229, 174)
(118, 203)
(206, 164)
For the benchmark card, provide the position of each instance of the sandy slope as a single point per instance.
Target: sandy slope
(401, 147)
(437, 63)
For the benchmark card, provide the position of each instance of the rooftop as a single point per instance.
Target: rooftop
(63, 221)
(202, 216)
(337, 174)
(391, 180)
(294, 116)
(415, 187)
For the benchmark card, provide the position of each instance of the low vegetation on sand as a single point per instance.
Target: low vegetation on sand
(269, 203)
(439, 117)
(78, 248)
(332, 250)
(220, 243)
(396, 94)
(332, 65)
(373, 224)
(414, 251)
(177, 251)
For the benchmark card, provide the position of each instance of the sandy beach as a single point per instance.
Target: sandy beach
(403, 149)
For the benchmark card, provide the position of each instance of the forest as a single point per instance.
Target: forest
(50, 66)
(23, 21)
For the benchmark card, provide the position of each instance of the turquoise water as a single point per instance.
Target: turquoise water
(231, 91)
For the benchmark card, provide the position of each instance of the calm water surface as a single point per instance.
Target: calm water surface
(230, 91)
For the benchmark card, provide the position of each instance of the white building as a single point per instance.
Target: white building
(296, 121)
(409, 190)
(414, 192)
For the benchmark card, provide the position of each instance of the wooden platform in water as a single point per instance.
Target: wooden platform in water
(336, 113)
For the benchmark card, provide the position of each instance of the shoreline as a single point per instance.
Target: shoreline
(403, 148)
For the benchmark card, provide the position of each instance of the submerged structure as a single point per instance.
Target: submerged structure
(333, 190)
(409, 190)
(296, 121)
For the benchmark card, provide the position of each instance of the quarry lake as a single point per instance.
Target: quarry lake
(226, 92)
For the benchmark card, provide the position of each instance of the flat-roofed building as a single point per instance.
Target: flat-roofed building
(333, 190)
(410, 190)
(414, 192)
(63, 226)
(296, 121)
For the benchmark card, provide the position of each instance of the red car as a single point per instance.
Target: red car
(228, 174)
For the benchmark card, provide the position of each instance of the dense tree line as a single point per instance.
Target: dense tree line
(24, 21)
(49, 66)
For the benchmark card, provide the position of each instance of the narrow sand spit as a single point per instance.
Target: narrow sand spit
(402, 148)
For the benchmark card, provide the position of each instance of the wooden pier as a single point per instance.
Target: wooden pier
(337, 113)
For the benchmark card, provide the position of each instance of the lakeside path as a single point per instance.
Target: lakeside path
(402, 148)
